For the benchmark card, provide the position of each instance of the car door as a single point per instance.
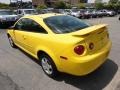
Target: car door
(33, 35)
(21, 33)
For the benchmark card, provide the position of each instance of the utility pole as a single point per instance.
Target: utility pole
(70, 2)
(21, 4)
(17, 4)
(10, 1)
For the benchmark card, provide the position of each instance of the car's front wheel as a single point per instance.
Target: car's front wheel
(48, 66)
(11, 42)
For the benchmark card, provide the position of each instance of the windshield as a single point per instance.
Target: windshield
(65, 24)
(6, 13)
(30, 11)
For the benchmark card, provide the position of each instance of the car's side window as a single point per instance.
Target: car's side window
(29, 25)
(18, 25)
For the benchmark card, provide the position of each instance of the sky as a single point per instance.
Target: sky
(8, 1)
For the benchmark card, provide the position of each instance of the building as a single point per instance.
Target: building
(74, 2)
(52, 2)
(83, 1)
(38, 2)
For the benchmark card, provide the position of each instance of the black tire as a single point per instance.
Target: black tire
(11, 42)
(53, 70)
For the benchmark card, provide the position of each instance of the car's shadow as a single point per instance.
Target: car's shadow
(97, 80)
(94, 81)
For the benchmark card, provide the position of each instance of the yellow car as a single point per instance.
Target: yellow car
(61, 43)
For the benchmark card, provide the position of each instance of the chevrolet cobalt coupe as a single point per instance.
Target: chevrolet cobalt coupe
(61, 43)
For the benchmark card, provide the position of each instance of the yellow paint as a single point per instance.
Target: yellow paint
(56, 45)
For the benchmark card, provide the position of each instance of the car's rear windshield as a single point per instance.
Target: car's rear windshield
(65, 24)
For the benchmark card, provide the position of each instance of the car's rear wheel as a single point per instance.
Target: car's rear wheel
(48, 66)
(11, 42)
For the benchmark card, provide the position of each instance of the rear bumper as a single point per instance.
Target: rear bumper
(87, 64)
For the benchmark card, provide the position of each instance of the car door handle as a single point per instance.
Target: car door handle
(24, 37)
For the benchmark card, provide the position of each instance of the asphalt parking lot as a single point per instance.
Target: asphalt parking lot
(19, 71)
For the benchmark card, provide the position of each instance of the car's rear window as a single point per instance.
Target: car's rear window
(65, 24)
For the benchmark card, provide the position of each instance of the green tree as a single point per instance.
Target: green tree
(60, 5)
(68, 6)
(39, 7)
(98, 1)
(99, 5)
(4, 6)
(113, 1)
(81, 5)
(108, 6)
(113, 5)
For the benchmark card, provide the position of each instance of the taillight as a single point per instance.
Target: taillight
(91, 46)
(79, 49)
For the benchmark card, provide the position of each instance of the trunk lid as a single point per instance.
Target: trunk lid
(98, 35)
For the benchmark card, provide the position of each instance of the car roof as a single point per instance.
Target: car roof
(42, 16)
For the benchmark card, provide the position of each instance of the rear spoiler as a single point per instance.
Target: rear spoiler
(89, 30)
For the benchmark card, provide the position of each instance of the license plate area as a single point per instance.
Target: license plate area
(99, 41)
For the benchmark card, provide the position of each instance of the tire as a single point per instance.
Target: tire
(48, 66)
(11, 42)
